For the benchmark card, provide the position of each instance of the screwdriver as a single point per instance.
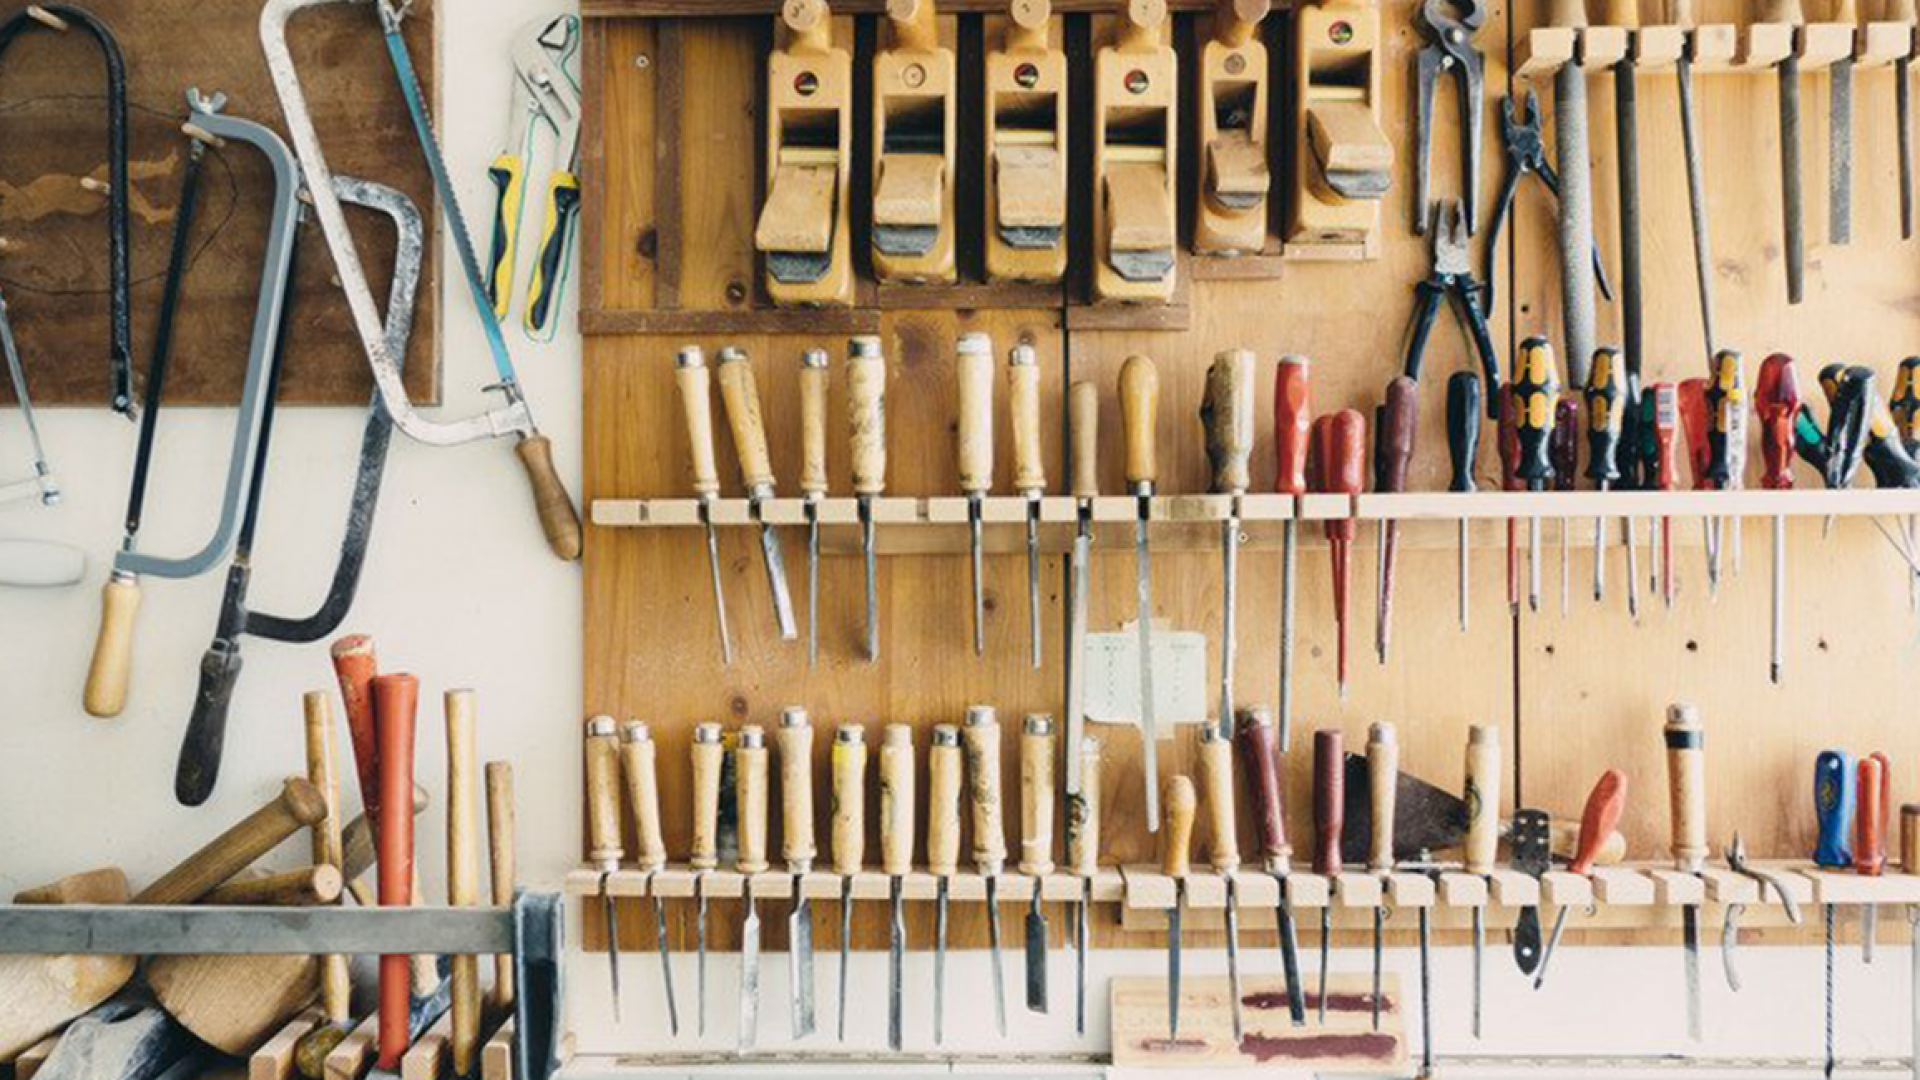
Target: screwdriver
(1692, 395)
(795, 740)
(1535, 386)
(1329, 819)
(813, 479)
(1603, 468)
(1463, 447)
(1394, 426)
(1262, 773)
(1083, 421)
(1870, 838)
(849, 835)
(982, 748)
(704, 852)
(1605, 803)
(1727, 441)
(1083, 861)
(1383, 779)
(1508, 434)
(640, 767)
(973, 366)
(1339, 445)
(943, 852)
(1029, 470)
(1223, 848)
(1777, 400)
(741, 396)
(1563, 449)
(896, 858)
(690, 375)
(1659, 409)
(867, 418)
(1292, 423)
(1139, 401)
(1175, 861)
(1226, 415)
(1833, 796)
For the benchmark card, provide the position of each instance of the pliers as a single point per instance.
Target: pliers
(544, 92)
(1526, 153)
(1452, 277)
(1766, 879)
(1450, 50)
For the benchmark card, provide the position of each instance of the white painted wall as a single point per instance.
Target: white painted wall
(460, 589)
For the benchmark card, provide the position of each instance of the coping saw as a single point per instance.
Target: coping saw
(558, 519)
(107, 675)
(199, 765)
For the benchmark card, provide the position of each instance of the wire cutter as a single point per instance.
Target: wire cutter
(1450, 50)
(1452, 278)
(1526, 153)
(544, 93)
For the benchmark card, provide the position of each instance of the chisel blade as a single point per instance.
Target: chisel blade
(1173, 960)
(940, 964)
(1290, 958)
(719, 592)
(1233, 960)
(896, 961)
(993, 945)
(749, 976)
(800, 963)
(1036, 936)
(1326, 954)
(700, 945)
(979, 568)
(1080, 958)
(873, 586)
(666, 964)
(1690, 940)
(1229, 652)
(1033, 581)
(1289, 578)
(813, 583)
(777, 583)
(846, 935)
(1479, 956)
(1149, 724)
(613, 947)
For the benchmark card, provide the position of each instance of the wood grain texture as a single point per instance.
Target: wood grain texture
(54, 105)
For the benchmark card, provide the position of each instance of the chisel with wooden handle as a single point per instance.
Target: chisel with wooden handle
(463, 873)
(690, 375)
(703, 854)
(848, 836)
(639, 767)
(797, 848)
(896, 860)
(1483, 835)
(1139, 406)
(1226, 415)
(1687, 792)
(973, 367)
(1383, 783)
(603, 831)
(944, 760)
(1083, 426)
(750, 779)
(1083, 861)
(1605, 803)
(1036, 845)
(982, 748)
(1175, 862)
(1029, 470)
(1223, 849)
(395, 699)
(867, 417)
(1260, 765)
(741, 396)
(813, 478)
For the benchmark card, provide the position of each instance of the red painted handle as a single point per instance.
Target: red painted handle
(1777, 400)
(1329, 800)
(1664, 405)
(1394, 426)
(1870, 824)
(395, 698)
(1292, 419)
(1563, 446)
(1602, 816)
(355, 665)
(1693, 417)
(1259, 763)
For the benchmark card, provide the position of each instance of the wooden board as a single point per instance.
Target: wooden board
(53, 103)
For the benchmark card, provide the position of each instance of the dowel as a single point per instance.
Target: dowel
(1216, 786)
(501, 866)
(463, 874)
(336, 984)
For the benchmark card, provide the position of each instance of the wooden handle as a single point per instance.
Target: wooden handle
(1680, 13)
(1083, 423)
(1036, 795)
(973, 370)
(1023, 405)
(463, 873)
(1226, 413)
(1567, 14)
(690, 375)
(501, 867)
(603, 794)
(559, 521)
(1030, 15)
(1142, 28)
(336, 985)
(1235, 21)
(807, 20)
(112, 664)
(298, 806)
(849, 819)
(1260, 764)
(1180, 801)
(1483, 798)
(1687, 786)
(1139, 404)
(104, 886)
(867, 414)
(982, 735)
(1782, 11)
(639, 765)
(1845, 12)
(306, 887)
(1383, 784)
(750, 797)
(1870, 827)
(395, 700)
(896, 800)
(740, 394)
(1216, 783)
(356, 849)
(1624, 13)
(354, 666)
(1083, 812)
(943, 800)
(795, 736)
(813, 421)
(1910, 838)
(1292, 422)
(1329, 800)
(1605, 804)
(708, 756)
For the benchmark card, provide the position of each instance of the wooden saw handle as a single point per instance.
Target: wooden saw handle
(1139, 408)
(1483, 798)
(639, 765)
(982, 735)
(973, 368)
(1083, 421)
(1023, 407)
(463, 873)
(943, 801)
(709, 755)
(849, 823)
(690, 375)
(1036, 795)
(740, 393)
(814, 377)
(1181, 803)
(896, 800)
(111, 667)
(750, 794)
(1083, 812)
(1216, 785)
(867, 414)
(395, 700)
(604, 849)
(559, 521)
(298, 806)
(1226, 414)
(795, 736)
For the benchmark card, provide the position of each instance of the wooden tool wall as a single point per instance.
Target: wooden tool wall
(1577, 694)
(53, 116)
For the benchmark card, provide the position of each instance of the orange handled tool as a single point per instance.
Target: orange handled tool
(1339, 459)
(1292, 423)
(395, 698)
(1776, 399)
(1605, 803)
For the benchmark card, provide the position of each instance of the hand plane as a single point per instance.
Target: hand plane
(1344, 163)
(803, 230)
(1136, 119)
(1230, 217)
(913, 151)
(1026, 141)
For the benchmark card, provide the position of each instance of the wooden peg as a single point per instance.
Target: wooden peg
(867, 414)
(943, 801)
(750, 794)
(336, 986)
(1687, 787)
(1139, 409)
(463, 874)
(639, 765)
(1483, 798)
(813, 422)
(305, 887)
(1083, 812)
(1023, 406)
(708, 756)
(1036, 795)
(896, 800)
(849, 799)
(603, 794)
(1181, 803)
(502, 870)
(973, 366)
(1083, 424)
(1383, 782)
(1216, 782)
(982, 735)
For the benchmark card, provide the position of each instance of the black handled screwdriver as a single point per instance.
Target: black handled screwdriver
(1564, 450)
(1463, 446)
(1603, 468)
(1536, 384)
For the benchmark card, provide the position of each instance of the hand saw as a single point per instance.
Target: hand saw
(200, 752)
(64, 17)
(106, 689)
(555, 507)
(544, 93)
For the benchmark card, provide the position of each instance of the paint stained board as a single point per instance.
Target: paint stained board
(53, 125)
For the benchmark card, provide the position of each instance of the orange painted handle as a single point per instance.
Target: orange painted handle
(355, 664)
(395, 698)
(1604, 805)
(1292, 419)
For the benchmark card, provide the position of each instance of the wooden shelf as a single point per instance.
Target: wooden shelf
(1715, 48)
(666, 9)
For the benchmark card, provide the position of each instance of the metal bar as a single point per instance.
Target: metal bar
(250, 931)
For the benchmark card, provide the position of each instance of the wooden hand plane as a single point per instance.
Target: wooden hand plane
(913, 148)
(1136, 111)
(803, 229)
(1026, 143)
(1344, 163)
(1230, 217)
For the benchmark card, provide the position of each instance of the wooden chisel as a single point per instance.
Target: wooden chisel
(750, 778)
(1260, 765)
(982, 735)
(1687, 791)
(741, 396)
(1083, 426)
(813, 478)
(1226, 415)
(944, 760)
(1175, 861)
(1483, 835)
(1036, 845)
(1383, 772)
(704, 853)
(1083, 861)
(1029, 470)
(973, 367)
(1139, 404)
(603, 832)
(1223, 849)
(849, 836)
(867, 419)
(896, 859)
(797, 848)
(639, 766)
(691, 376)
(463, 874)
(395, 699)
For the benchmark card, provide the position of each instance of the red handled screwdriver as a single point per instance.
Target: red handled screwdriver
(1292, 422)
(1727, 442)
(1777, 401)
(1693, 425)
(1394, 425)
(1339, 452)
